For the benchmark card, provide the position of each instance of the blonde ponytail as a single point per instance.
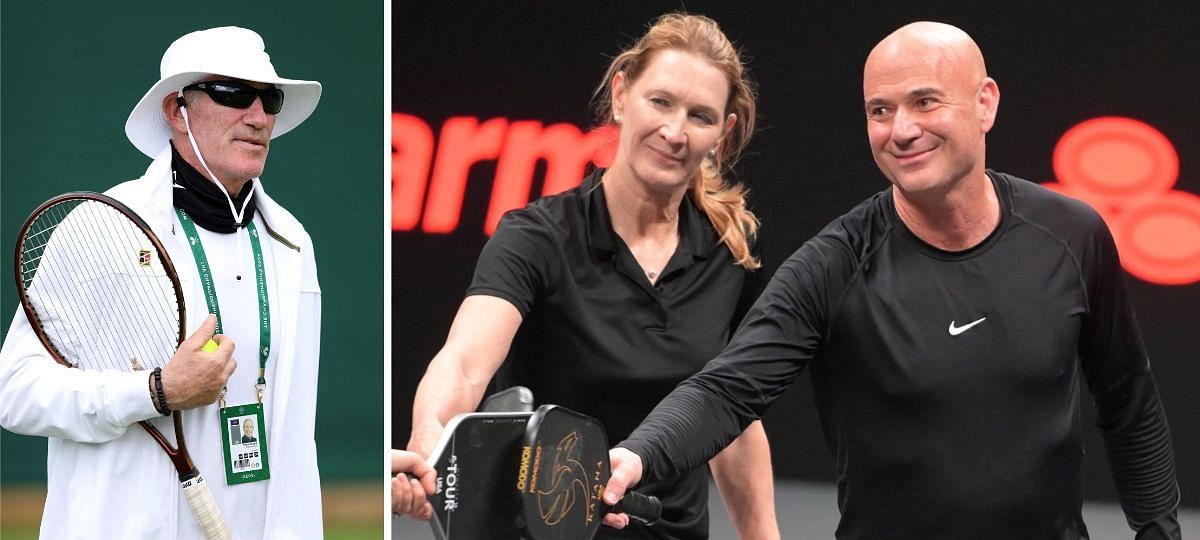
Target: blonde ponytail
(725, 206)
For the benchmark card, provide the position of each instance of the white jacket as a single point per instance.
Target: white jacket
(106, 477)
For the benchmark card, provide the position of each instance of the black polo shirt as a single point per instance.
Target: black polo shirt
(597, 336)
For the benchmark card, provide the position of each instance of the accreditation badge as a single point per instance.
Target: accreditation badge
(245, 444)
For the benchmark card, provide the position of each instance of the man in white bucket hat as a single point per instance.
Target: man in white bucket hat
(207, 124)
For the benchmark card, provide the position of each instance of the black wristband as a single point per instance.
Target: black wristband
(160, 403)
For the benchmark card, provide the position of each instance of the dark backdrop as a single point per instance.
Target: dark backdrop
(1056, 65)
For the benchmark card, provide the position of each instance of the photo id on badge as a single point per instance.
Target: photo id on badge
(245, 443)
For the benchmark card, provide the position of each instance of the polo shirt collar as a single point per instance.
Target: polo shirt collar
(696, 235)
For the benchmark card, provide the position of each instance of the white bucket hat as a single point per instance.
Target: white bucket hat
(228, 51)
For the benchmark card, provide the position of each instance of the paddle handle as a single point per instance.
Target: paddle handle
(646, 509)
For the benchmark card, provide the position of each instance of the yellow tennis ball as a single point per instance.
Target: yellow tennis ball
(209, 347)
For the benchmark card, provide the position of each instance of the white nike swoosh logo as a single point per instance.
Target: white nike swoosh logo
(956, 330)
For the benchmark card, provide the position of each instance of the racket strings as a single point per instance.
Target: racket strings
(35, 242)
(153, 284)
(51, 311)
(130, 241)
(106, 240)
(98, 285)
(69, 265)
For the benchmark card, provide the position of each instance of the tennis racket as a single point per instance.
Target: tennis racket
(101, 293)
(563, 470)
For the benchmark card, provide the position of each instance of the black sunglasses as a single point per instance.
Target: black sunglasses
(240, 95)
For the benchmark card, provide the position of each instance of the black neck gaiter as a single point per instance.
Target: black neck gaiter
(204, 201)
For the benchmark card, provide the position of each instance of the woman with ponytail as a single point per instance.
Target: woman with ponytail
(602, 298)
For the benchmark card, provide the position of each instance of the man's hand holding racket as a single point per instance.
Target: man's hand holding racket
(194, 378)
(626, 473)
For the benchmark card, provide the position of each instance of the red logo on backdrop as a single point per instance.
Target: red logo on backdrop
(1125, 169)
(428, 183)
(1122, 167)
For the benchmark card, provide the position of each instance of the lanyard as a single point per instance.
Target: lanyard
(210, 292)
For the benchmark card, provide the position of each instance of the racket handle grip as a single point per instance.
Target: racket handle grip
(204, 507)
(646, 509)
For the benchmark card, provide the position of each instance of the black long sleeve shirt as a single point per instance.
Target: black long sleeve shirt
(947, 383)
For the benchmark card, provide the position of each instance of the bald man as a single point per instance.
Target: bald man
(949, 322)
